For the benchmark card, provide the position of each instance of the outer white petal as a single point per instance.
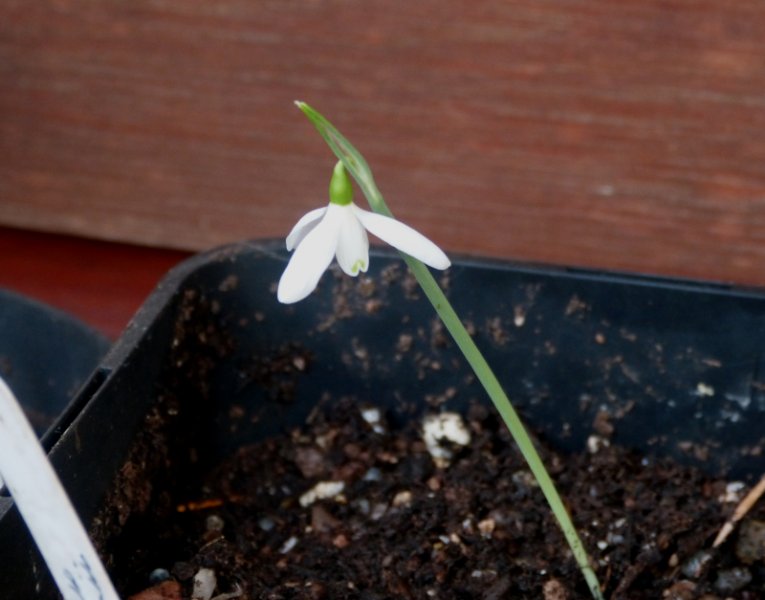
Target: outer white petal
(308, 263)
(353, 243)
(304, 226)
(403, 237)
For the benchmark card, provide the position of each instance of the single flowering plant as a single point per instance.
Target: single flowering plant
(340, 230)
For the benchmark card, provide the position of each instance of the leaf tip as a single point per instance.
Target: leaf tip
(304, 107)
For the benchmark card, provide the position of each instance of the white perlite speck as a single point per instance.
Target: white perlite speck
(734, 491)
(595, 443)
(373, 416)
(288, 545)
(322, 491)
(445, 427)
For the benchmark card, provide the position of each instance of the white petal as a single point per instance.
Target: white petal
(308, 263)
(403, 238)
(353, 244)
(304, 226)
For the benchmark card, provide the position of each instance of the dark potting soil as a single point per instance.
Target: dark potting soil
(345, 507)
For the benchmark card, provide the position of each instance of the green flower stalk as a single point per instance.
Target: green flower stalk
(339, 230)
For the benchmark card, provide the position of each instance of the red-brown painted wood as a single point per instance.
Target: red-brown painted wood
(101, 283)
(622, 135)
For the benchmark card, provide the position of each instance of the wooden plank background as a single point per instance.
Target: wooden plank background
(620, 135)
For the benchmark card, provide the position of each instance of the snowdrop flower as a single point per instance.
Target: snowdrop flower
(340, 230)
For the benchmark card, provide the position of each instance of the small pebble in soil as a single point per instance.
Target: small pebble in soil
(402, 499)
(167, 590)
(733, 493)
(680, 590)
(731, 580)
(321, 519)
(310, 461)
(553, 589)
(159, 575)
(524, 479)
(750, 546)
(214, 524)
(204, 584)
(486, 527)
(697, 564)
(378, 511)
(373, 474)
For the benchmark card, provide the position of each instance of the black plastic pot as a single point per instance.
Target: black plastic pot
(670, 361)
(45, 356)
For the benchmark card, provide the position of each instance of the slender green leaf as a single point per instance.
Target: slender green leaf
(356, 165)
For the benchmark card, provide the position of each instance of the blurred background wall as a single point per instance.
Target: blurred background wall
(618, 135)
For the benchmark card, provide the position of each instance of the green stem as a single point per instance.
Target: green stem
(358, 167)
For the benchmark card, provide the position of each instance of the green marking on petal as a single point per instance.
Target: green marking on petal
(359, 265)
(340, 188)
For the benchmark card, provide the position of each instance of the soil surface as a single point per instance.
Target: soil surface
(346, 507)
